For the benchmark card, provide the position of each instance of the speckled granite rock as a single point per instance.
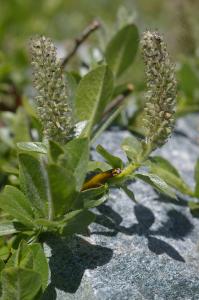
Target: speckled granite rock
(189, 126)
(145, 251)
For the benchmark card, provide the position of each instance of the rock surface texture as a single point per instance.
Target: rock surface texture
(148, 250)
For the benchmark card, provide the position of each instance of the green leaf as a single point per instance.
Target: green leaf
(156, 182)
(62, 189)
(20, 284)
(129, 192)
(8, 168)
(165, 170)
(194, 208)
(93, 94)
(98, 165)
(57, 225)
(15, 203)
(21, 128)
(79, 128)
(122, 49)
(90, 195)
(2, 265)
(72, 79)
(28, 107)
(7, 228)
(164, 164)
(197, 179)
(79, 223)
(33, 147)
(72, 214)
(55, 150)
(94, 203)
(75, 158)
(188, 79)
(114, 161)
(34, 183)
(51, 225)
(30, 257)
(132, 147)
(4, 250)
(40, 263)
(23, 256)
(107, 122)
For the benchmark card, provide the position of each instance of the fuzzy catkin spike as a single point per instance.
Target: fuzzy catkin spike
(53, 105)
(161, 86)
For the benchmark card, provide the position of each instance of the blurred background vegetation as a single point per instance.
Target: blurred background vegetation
(63, 20)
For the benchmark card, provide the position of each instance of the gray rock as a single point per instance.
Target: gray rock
(148, 250)
(189, 126)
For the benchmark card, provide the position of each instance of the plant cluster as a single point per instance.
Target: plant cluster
(53, 182)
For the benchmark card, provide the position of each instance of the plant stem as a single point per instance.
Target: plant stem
(44, 161)
(128, 170)
(132, 167)
(80, 40)
(106, 124)
(112, 111)
(115, 103)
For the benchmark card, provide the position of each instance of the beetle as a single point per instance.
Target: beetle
(99, 179)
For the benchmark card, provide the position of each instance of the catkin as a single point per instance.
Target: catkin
(161, 90)
(53, 104)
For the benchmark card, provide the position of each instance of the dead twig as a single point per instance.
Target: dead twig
(112, 111)
(118, 100)
(80, 40)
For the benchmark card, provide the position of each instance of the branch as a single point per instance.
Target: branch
(80, 40)
(118, 100)
(112, 111)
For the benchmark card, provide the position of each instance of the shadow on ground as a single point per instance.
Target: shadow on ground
(69, 260)
(176, 227)
(71, 257)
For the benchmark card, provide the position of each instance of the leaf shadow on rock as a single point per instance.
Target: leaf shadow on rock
(68, 261)
(165, 199)
(179, 132)
(176, 227)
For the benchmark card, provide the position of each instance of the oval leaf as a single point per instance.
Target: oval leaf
(62, 189)
(132, 147)
(33, 147)
(76, 158)
(156, 182)
(93, 94)
(15, 204)
(7, 228)
(55, 150)
(34, 183)
(40, 263)
(98, 165)
(114, 161)
(79, 223)
(20, 283)
(122, 49)
(165, 170)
